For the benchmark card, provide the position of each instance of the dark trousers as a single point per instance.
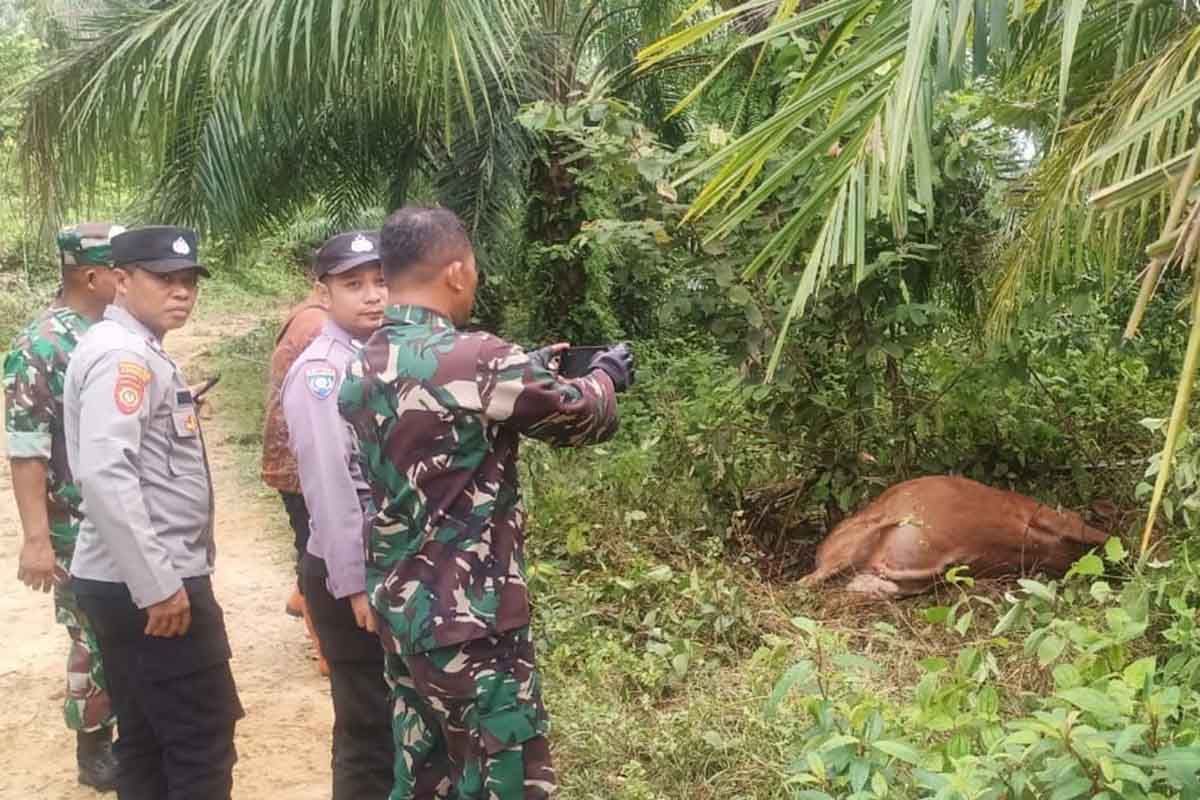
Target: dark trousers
(362, 711)
(297, 512)
(175, 698)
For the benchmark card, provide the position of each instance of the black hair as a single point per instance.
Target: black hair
(417, 235)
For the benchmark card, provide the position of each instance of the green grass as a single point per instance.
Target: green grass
(663, 648)
(660, 648)
(634, 715)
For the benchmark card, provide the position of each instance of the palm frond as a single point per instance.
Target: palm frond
(1144, 122)
(124, 98)
(869, 91)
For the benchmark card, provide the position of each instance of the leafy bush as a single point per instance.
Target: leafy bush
(1114, 714)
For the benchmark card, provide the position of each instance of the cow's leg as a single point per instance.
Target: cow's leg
(847, 548)
(873, 586)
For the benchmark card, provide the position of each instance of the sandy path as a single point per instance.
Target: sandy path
(283, 743)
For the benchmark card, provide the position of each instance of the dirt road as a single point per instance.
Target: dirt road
(283, 743)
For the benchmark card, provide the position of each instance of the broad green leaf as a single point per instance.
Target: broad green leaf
(840, 740)
(740, 295)
(1066, 676)
(816, 764)
(1023, 738)
(1010, 618)
(1037, 589)
(853, 661)
(1140, 671)
(904, 752)
(1090, 700)
(1051, 648)
(1114, 550)
(1070, 789)
(934, 664)
(859, 774)
(1089, 565)
(1131, 736)
(799, 673)
(937, 614)
(1182, 764)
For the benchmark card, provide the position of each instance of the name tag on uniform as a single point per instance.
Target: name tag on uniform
(184, 415)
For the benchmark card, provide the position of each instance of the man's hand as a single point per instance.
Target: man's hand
(171, 617)
(199, 390)
(547, 357)
(619, 364)
(36, 568)
(364, 615)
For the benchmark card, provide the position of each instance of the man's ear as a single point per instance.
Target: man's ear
(456, 276)
(323, 295)
(90, 277)
(123, 277)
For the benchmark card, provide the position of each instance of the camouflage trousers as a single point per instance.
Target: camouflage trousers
(469, 723)
(87, 706)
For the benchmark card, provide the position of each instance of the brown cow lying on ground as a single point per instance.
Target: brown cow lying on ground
(906, 539)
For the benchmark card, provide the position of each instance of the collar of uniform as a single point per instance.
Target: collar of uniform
(127, 320)
(337, 333)
(417, 315)
(68, 315)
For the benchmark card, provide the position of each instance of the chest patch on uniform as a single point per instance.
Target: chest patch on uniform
(321, 381)
(129, 392)
(185, 422)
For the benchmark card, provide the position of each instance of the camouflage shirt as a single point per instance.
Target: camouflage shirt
(34, 372)
(438, 414)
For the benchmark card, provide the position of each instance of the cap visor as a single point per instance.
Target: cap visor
(165, 265)
(352, 263)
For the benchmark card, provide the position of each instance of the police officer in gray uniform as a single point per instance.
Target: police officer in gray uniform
(145, 550)
(352, 290)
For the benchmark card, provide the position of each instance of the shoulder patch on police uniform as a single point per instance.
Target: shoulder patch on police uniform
(321, 380)
(134, 370)
(129, 392)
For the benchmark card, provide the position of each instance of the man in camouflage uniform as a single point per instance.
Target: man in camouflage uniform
(47, 498)
(438, 414)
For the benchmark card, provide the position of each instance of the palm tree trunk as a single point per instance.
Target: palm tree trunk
(553, 220)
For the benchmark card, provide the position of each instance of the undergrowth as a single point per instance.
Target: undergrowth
(673, 669)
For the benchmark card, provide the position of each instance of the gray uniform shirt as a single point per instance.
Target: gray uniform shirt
(136, 451)
(324, 447)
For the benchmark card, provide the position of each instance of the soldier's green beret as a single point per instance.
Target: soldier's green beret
(88, 244)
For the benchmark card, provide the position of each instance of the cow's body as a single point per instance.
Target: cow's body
(906, 539)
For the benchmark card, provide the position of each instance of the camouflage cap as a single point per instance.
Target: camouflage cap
(88, 244)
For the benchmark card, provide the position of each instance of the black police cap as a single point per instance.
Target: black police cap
(346, 251)
(157, 248)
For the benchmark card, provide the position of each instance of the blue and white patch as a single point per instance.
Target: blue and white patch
(321, 381)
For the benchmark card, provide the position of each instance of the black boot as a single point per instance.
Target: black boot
(97, 764)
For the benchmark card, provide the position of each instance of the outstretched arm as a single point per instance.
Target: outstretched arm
(517, 391)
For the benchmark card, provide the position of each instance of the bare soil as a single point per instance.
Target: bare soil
(283, 743)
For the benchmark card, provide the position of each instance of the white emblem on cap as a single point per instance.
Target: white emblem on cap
(361, 244)
(181, 247)
(116, 230)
